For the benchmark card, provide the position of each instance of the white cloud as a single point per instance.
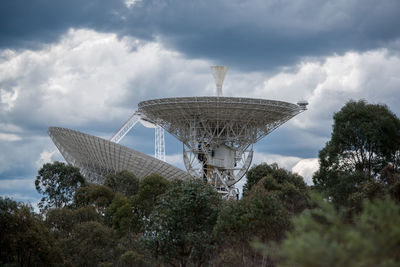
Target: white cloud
(96, 77)
(303, 167)
(9, 137)
(306, 168)
(8, 98)
(286, 162)
(46, 156)
(131, 3)
(327, 85)
(90, 76)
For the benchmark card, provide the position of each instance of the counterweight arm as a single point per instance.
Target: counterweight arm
(117, 137)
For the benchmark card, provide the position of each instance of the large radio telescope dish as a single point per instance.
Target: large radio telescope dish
(218, 132)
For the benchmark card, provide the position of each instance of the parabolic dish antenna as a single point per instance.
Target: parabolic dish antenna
(217, 134)
(97, 157)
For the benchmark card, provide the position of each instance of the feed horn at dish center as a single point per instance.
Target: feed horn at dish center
(217, 134)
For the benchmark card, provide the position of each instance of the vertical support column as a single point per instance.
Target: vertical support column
(159, 143)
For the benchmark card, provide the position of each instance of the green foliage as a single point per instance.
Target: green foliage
(124, 182)
(99, 219)
(57, 182)
(290, 189)
(273, 195)
(24, 239)
(321, 237)
(86, 214)
(259, 215)
(180, 226)
(120, 215)
(279, 176)
(256, 173)
(390, 177)
(132, 258)
(365, 139)
(150, 189)
(98, 196)
(90, 244)
(62, 220)
(369, 189)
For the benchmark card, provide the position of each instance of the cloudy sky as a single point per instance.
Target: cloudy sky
(85, 65)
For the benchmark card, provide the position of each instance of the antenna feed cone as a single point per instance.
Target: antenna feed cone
(219, 73)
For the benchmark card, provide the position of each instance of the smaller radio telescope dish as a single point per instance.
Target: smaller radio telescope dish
(97, 157)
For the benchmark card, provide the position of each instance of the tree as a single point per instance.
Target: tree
(180, 226)
(61, 221)
(256, 173)
(124, 182)
(272, 196)
(150, 189)
(289, 187)
(321, 237)
(98, 196)
(132, 258)
(259, 215)
(365, 139)
(90, 244)
(57, 182)
(120, 215)
(24, 239)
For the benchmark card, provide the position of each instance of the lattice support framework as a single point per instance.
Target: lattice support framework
(218, 132)
(159, 143)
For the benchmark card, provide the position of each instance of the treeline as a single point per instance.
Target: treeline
(350, 217)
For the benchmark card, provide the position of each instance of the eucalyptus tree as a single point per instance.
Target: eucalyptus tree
(365, 140)
(57, 182)
(180, 227)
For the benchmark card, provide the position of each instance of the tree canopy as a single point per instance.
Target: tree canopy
(124, 182)
(365, 140)
(180, 226)
(150, 189)
(57, 182)
(24, 239)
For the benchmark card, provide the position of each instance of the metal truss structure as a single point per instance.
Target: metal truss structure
(159, 143)
(128, 125)
(218, 132)
(97, 157)
(159, 137)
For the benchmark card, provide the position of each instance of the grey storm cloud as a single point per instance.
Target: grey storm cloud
(247, 35)
(29, 24)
